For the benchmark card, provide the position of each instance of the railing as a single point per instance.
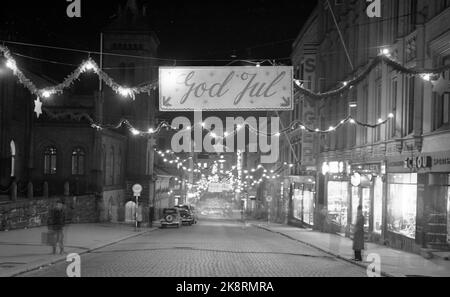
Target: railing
(44, 189)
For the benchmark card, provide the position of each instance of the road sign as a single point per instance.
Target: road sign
(269, 198)
(137, 190)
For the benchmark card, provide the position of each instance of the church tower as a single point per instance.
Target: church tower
(130, 46)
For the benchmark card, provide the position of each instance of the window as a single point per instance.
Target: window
(378, 205)
(50, 158)
(393, 121)
(410, 106)
(364, 111)
(338, 202)
(119, 167)
(442, 104)
(78, 161)
(378, 108)
(111, 166)
(402, 204)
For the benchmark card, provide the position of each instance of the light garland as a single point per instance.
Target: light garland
(384, 57)
(91, 66)
(86, 66)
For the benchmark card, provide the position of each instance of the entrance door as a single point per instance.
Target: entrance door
(130, 212)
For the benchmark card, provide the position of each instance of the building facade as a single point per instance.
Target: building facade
(60, 154)
(399, 171)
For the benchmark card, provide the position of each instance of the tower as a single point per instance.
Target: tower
(130, 45)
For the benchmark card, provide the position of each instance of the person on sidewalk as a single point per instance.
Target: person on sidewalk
(358, 235)
(56, 223)
(139, 217)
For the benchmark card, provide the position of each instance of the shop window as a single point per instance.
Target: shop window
(378, 205)
(402, 204)
(303, 201)
(78, 161)
(338, 202)
(355, 203)
(50, 158)
(366, 204)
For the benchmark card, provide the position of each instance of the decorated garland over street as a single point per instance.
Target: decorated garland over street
(440, 85)
(433, 75)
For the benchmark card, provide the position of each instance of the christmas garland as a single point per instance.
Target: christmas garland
(432, 73)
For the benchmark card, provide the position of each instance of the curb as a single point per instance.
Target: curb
(37, 266)
(384, 274)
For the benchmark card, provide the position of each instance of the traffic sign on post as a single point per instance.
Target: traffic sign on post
(137, 190)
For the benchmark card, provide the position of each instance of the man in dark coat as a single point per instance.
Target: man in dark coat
(358, 235)
(56, 223)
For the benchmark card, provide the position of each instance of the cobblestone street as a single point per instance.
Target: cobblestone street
(209, 249)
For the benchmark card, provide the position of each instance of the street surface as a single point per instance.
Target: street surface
(212, 248)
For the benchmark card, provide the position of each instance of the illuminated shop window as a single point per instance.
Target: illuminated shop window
(378, 205)
(402, 204)
(338, 202)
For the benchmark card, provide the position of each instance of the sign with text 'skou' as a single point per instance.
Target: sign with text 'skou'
(226, 88)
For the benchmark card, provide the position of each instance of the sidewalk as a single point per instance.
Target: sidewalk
(393, 262)
(21, 250)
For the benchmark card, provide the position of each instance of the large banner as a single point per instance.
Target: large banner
(226, 88)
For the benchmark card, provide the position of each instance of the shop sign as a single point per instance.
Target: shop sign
(376, 168)
(333, 168)
(418, 163)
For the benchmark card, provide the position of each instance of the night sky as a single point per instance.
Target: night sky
(251, 29)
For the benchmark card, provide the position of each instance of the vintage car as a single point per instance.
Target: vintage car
(188, 214)
(171, 217)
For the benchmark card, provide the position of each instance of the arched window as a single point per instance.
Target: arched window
(13, 158)
(50, 158)
(78, 161)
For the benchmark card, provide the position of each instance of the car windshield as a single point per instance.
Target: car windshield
(170, 211)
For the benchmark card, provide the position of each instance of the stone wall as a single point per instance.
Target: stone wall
(34, 213)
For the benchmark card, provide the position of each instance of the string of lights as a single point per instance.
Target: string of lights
(91, 66)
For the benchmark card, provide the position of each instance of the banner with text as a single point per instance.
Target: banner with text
(226, 88)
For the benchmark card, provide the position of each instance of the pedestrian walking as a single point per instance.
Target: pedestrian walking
(56, 223)
(358, 235)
